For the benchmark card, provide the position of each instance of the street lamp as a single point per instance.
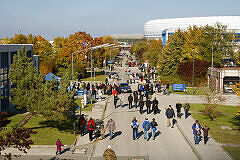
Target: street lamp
(193, 75)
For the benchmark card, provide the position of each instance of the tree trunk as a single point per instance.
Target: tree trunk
(26, 119)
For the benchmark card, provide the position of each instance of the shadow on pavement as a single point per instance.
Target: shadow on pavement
(140, 134)
(118, 133)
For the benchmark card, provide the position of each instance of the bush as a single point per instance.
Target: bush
(200, 70)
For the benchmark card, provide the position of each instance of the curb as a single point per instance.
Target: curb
(90, 157)
(190, 143)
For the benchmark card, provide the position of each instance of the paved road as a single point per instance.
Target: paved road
(169, 143)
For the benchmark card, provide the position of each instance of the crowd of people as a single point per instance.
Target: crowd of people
(145, 90)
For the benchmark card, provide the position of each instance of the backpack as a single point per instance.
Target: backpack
(134, 124)
(147, 126)
(91, 126)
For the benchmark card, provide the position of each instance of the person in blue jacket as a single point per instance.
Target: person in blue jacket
(146, 127)
(196, 131)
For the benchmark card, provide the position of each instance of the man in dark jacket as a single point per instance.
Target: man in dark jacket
(170, 114)
(130, 100)
(135, 96)
(141, 104)
(155, 106)
(148, 104)
(196, 131)
(178, 107)
(115, 99)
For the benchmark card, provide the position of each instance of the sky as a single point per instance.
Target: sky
(52, 18)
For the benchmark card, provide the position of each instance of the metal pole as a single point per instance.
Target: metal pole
(212, 63)
(72, 68)
(91, 76)
(193, 76)
(105, 65)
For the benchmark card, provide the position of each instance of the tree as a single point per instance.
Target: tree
(172, 54)
(153, 53)
(200, 69)
(212, 97)
(36, 95)
(19, 39)
(236, 89)
(17, 137)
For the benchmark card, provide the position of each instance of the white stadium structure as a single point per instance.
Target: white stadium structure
(162, 28)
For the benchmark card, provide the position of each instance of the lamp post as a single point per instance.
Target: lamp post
(212, 63)
(193, 76)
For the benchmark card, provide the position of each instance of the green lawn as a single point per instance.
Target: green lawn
(97, 78)
(47, 131)
(197, 91)
(220, 108)
(234, 151)
(221, 135)
(88, 107)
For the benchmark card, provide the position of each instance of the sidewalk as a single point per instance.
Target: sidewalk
(81, 149)
(212, 150)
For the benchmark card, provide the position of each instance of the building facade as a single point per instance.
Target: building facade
(163, 28)
(7, 52)
(225, 78)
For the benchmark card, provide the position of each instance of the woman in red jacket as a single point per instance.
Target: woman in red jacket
(91, 126)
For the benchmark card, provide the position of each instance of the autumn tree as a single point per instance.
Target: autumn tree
(154, 52)
(13, 137)
(200, 70)
(18, 39)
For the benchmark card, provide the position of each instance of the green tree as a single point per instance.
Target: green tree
(172, 54)
(153, 53)
(36, 95)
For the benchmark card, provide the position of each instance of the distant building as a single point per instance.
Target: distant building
(225, 78)
(7, 51)
(127, 36)
(163, 28)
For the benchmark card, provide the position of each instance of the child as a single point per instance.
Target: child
(102, 131)
(205, 134)
(121, 101)
(59, 147)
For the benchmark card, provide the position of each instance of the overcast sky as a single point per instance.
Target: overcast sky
(52, 18)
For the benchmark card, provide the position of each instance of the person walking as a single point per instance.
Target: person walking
(85, 96)
(178, 107)
(111, 127)
(115, 99)
(167, 88)
(134, 126)
(82, 122)
(141, 104)
(146, 127)
(205, 134)
(100, 94)
(148, 104)
(121, 100)
(130, 100)
(135, 97)
(186, 107)
(196, 131)
(170, 114)
(155, 106)
(154, 128)
(91, 126)
(159, 86)
(102, 131)
(59, 147)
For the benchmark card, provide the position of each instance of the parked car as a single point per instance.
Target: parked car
(125, 88)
